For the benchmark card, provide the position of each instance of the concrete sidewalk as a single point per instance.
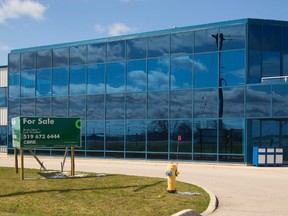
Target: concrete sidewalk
(241, 190)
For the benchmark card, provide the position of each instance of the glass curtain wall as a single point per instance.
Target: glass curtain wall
(136, 96)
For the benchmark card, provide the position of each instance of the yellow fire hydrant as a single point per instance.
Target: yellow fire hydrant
(171, 174)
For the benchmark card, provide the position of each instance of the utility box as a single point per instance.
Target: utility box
(267, 156)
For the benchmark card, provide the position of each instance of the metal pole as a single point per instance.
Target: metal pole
(177, 154)
(72, 161)
(64, 159)
(22, 163)
(16, 160)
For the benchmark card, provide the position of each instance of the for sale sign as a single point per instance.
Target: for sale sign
(43, 132)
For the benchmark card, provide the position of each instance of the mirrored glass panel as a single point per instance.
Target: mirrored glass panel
(115, 77)
(43, 106)
(43, 81)
(232, 68)
(255, 37)
(270, 64)
(233, 37)
(181, 128)
(181, 72)
(136, 76)
(14, 85)
(255, 132)
(28, 61)
(158, 105)
(206, 40)
(280, 100)
(231, 136)
(205, 103)
(182, 43)
(284, 138)
(95, 79)
(181, 104)
(114, 136)
(60, 107)
(135, 135)
(157, 136)
(233, 102)
(116, 51)
(115, 106)
(136, 105)
(77, 107)
(254, 73)
(27, 107)
(28, 84)
(77, 55)
(44, 59)
(159, 46)
(158, 74)
(271, 37)
(258, 101)
(136, 48)
(3, 135)
(78, 80)
(95, 135)
(13, 62)
(96, 53)
(95, 107)
(3, 97)
(14, 108)
(206, 70)
(284, 41)
(60, 57)
(285, 64)
(205, 136)
(60, 81)
(270, 133)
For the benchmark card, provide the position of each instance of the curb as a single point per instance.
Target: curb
(213, 204)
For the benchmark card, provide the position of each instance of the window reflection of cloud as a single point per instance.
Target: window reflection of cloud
(280, 100)
(158, 80)
(138, 77)
(182, 63)
(96, 88)
(233, 102)
(115, 50)
(77, 88)
(257, 102)
(199, 66)
(159, 44)
(112, 89)
(136, 104)
(60, 90)
(259, 96)
(205, 103)
(233, 94)
(158, 105)
(181, 105)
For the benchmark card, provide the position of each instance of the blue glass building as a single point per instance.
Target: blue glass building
(221, 86)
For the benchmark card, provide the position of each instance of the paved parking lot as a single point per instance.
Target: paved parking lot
(241, 190)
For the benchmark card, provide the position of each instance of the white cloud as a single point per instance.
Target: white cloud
(114, 29)
(14, 9)
(4, 47)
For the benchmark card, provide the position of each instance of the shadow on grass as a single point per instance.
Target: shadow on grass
(138, 188)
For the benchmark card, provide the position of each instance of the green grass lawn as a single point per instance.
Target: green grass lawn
(107, 195)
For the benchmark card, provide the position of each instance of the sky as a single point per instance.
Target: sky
(29, 23)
